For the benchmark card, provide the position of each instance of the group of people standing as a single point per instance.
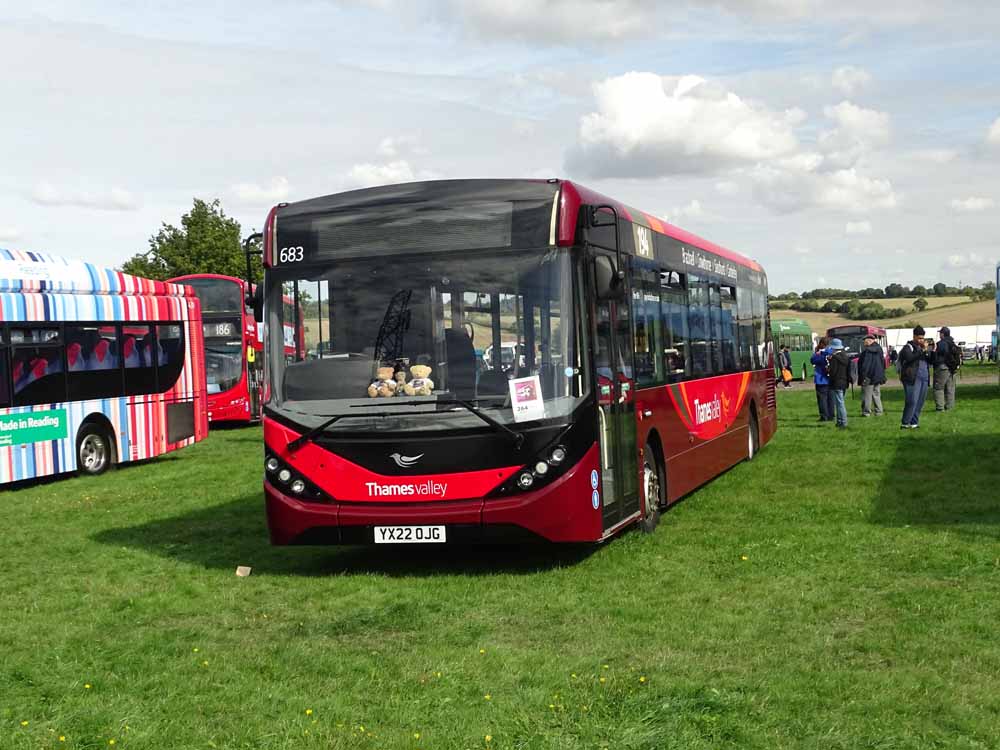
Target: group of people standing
(833, 374)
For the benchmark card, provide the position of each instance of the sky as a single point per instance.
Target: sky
(845, 144)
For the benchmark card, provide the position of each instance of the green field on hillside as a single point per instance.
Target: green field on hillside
(841, 591)
(964, 314)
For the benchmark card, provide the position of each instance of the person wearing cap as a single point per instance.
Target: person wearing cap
(824, 398)
(838, 370)
(914, 371)
(947, 360)
(871, 376)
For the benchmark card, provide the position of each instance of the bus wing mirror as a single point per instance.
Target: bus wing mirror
(608, 280)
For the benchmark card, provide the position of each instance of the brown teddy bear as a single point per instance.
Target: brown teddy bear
(421, 385)
(400, 382)
(383, 386)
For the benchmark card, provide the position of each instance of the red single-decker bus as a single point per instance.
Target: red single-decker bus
(506, 360)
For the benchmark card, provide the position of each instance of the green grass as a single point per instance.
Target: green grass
(842, 591)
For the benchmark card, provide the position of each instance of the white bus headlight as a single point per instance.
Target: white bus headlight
(525, 480)
(557, 456)
(284, 475)
(271, 464)
(298, 486)
(541, 468)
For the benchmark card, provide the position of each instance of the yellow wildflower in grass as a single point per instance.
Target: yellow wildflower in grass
(62, 737)
(437, 674)
(744, 557)
(309, 712)
(605, 666)
(112, 741)
(416, 735)
(195, 650)
(488, 738)
(552, 707)
(204, 664)
(487, 697)
(24, 723)
(482, 650)
(642, 679)
(603, 679)
(86, 686)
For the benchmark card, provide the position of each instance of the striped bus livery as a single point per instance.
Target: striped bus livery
(87, 350)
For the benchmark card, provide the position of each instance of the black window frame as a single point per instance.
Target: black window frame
(7, 350)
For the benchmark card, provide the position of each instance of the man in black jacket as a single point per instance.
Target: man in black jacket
(947, 360)
(839, 372)
(914, 371)
(871, 376)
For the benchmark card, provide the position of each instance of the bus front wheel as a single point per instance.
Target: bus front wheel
(653, 488)
(93, 450)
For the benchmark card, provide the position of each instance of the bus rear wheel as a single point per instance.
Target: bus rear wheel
(93, 450)
(652, 489)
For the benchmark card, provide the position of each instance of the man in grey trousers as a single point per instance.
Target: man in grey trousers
(871, 376)
(947, 361)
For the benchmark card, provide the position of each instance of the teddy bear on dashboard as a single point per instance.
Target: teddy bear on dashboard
(421, 385)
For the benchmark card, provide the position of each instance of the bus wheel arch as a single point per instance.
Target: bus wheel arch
(753, 432)
(654, 482)
(96, 445)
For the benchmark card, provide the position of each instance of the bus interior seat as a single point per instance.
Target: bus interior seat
(461, 361)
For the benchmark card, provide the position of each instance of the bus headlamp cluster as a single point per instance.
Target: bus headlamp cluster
(286, 477)
(542, 468)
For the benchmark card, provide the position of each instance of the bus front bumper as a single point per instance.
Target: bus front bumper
(562, 511)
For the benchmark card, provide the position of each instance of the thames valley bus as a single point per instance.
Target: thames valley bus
(96, 367)
(638, 367)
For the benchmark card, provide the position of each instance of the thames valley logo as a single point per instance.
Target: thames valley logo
(405, 462)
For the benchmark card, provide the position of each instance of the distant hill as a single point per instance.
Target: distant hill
(964, 314)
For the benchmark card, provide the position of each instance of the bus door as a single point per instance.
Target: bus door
(616, 410)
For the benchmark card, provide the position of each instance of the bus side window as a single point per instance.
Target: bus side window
(170, 354)
(92, 361)
(4, 371)
(37, 366)
(649, 366)
(744, 315)
(137, 351)
(727, 332)
(674, 321)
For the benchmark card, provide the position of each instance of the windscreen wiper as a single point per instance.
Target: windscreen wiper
(517, 437)
(307, 436)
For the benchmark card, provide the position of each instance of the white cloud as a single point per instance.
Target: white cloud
(649, 125)
(971, 261)
(993, 136)
(370, 175)
(847, 190)
(858, 227)
(692, 210)
(104, 199)
(972, 204)
(802, 250)
(936, 155)
(394, 146)
(849, 80)
(9, 234)
(250, 192)
(858, 132)
(727, 188)
(861, 251)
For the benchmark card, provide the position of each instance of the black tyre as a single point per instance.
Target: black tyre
(653, 488)
(94, 454)
(753, 437)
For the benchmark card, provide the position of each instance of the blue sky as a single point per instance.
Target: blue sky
(843, 144)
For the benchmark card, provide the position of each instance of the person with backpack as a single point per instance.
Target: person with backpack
(914, 371)
(785, 362)
(871, 376)
(947, 361)
(838, 370)
(824, 399)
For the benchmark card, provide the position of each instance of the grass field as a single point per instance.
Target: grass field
(842, 591)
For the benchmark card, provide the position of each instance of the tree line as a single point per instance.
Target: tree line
(893, 291)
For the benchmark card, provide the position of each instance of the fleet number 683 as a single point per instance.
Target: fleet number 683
(290, 254)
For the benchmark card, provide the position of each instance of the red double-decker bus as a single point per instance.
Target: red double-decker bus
(572, 365)
(233, 365)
